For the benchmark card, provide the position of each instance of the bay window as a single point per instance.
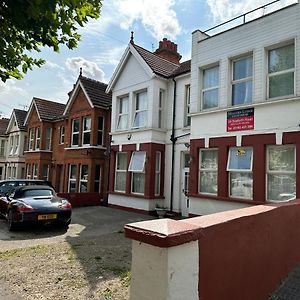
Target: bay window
(97, 180)
(46, 169)
(48, 138)
(281, 173)
(31, 138)
(16, 144)
(242, 72)
(137, 166)
(187, 102)
(100, 132)
(208, 171)
(123, 108)
(83, 184)
(121, 170)
(61, 134)
(11, 143)
(157, 172)
(72, 178)
(161, 108)
(140, 114)
(37, 138)
(35, 171)
(86, 130)
(240, 172)
(210, 88)
(281, 71)
(75, 132)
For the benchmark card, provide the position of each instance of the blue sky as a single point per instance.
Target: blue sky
(104, 41)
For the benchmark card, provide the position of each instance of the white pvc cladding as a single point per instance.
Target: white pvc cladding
(254, 63)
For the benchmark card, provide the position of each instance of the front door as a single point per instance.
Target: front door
(185, 174)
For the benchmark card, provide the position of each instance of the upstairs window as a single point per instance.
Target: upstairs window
(100, 132)
(16, 144)
(11, 143)
(86, 130)
(48, 138)
(242, 72)
(122, 121)
(75, 132)
(140, 114)
(2, 148)
(210, 90)
(240, 172)
(187, 102)
(281, 71)
(37, 138)
(161, 108)
(157, 172)
(62, 134)
(31, 139)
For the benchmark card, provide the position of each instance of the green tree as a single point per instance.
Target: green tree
(26, 25)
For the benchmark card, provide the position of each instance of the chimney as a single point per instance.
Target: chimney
(168, 51)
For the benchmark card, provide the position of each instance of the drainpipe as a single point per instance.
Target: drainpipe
(173, 140)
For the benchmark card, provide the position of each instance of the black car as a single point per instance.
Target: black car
(34, 204)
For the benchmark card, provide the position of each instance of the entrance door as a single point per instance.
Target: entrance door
(185, 174)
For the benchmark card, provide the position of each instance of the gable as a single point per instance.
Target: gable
(79, 103)
(33, 117)
(131, 74)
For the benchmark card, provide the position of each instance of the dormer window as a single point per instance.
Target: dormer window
(140, 114)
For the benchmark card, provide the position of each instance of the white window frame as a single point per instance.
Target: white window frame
(61, 135)
(138, 111)
(11, 144)
(84, 132)
(211, 170)
(48, 139)
(216, 87)
(17, 144)
(120, 171)
(157, 173)
(100, 131)
(187, 105)
(2, 147)
(268, 171)
(242, 80)
(75, 132)
(72, 179)
(83, 180)
(28, 171)
(37, 138)
(137, 171)
(249, 171)
(31, 139)
(161, 102)
(291, 70)
(121, 114)
(35, 171)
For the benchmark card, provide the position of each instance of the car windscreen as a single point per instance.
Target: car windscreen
(37, 193)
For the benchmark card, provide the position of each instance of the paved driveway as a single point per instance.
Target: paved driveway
(87, 223)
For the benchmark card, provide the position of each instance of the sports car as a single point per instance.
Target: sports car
(34, 204)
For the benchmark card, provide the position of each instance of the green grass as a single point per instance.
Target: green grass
(123, 273)
(40, 249)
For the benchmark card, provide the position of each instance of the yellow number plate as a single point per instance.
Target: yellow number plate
(47, 217)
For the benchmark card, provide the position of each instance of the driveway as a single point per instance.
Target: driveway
(88, 224)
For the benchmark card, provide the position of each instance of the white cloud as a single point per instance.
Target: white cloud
(51, 65)
(89, 68)
(223, 10)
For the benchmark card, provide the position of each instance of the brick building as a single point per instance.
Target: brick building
(3, 146)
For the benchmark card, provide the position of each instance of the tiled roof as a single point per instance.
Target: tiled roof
(20, 118)
(49, 110)
(96, 91)
(3, 125)
(161, 66)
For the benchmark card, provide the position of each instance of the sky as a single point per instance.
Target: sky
(103, 42)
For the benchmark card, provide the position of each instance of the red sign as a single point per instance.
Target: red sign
(242, 119)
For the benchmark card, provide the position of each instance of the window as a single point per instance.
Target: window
(210, 91)
(187, 102)
(46, 169)
(240, 172)
(11, 143)
(122, 122)
(100, 134)
(157, 172)
(208, 171)
(75, 132)
(86, 131)
(84, 173)
(35, 171)
(2, 147)
(121, 168)
(28, 171)
(97, 181)
(31, 138)
(136, 166)
(72, 178)
(281, 173)
(62, 134)
(281, 71)
(16, 144)
(37, 138)
(242, 72)
(48, 138)
(140, 114)
(161, 102)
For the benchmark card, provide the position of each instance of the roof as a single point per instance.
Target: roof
(48, 110)
(3, 125)
(184, 67)
(96, 91)
(20, 116)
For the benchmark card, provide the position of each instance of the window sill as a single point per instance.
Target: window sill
(85, 147)
(139, 196)
(38, 151)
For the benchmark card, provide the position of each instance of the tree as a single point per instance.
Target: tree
(26, 25)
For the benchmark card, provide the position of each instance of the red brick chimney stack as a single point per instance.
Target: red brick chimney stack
(168, 51)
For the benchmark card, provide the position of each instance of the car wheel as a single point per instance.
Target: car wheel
(10, 223)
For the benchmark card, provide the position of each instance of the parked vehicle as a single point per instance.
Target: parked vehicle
(34, 204)
(7, 185)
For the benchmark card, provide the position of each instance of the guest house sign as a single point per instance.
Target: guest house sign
(242, 119)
